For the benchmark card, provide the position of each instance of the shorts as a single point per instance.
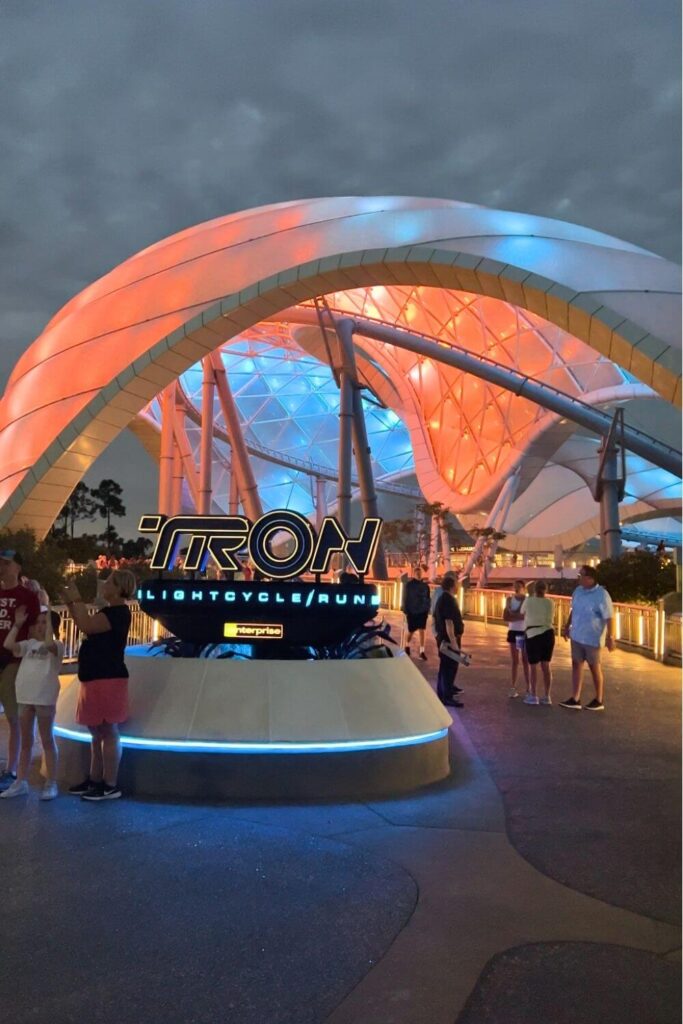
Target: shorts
(514, 633)
(540, 648)
(102, 700)
(417, 620)
(583, 652)
(41, 710)
(8, 688)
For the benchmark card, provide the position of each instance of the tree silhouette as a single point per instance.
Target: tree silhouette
(107, 500)
(80, 505)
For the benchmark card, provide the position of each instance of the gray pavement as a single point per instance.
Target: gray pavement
(537, 882)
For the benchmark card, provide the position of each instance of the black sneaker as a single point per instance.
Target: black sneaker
(407, 650)
(453, 704)
(423, 656)
(81, 787)
(573, 705)
(595, 705)
(6, 780)
(102, 792)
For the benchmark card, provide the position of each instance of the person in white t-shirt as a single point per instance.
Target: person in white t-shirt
(514, 617)
(37, 691)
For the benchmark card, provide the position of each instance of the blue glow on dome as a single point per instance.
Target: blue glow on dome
(289, 404)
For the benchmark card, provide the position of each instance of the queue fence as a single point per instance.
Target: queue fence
(645, 629)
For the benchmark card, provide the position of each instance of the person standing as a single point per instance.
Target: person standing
(415, 607)
(539, 615)
(103, 696)
(514, 617)
(590, 626)
(37, 688)
(12, 597)
(449, 629)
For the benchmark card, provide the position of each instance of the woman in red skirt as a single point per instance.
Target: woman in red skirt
(103, 697)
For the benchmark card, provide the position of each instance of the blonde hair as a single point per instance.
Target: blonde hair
(125, 582)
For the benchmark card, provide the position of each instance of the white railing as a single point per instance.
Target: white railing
(646, 629)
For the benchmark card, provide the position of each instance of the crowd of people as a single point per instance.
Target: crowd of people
(31, 655)
(530, 616)
(30, 662)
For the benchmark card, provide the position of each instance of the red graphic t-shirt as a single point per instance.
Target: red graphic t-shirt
(10, 600)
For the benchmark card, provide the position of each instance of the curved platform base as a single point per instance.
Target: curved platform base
(207, 778)
(220, 730)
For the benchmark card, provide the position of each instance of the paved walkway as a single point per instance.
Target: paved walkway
(538, 882)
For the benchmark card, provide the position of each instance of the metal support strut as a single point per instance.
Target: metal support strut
(241, 465)
(368, 495)
(610, 484)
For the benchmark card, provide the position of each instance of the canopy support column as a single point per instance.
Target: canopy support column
(610, 484)
(241, 465)
(206, 444)
(167, 404)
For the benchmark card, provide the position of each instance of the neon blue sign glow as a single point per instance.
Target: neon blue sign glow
(227, 747)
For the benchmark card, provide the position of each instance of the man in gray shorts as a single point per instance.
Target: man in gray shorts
(590, 627)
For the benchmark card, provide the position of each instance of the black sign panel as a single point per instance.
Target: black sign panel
(264, 614)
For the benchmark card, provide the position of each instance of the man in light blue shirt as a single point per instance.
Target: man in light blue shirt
(590, 626)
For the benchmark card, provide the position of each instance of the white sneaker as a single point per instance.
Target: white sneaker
(49, 791)
(18, 788)
(530, 699)
(513, 692)
(545, 700)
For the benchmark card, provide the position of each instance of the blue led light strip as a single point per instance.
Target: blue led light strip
(218, 747)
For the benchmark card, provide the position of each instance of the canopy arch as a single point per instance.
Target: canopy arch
(110, 350)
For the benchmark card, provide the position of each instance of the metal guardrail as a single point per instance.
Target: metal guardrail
(645, 629)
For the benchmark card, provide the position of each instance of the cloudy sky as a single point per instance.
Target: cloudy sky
(122, 121)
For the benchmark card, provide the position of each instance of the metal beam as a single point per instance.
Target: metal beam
(345, 449)
(206, 439)
(167, 406)
(656, 452)
(368, 495)
(246, 480)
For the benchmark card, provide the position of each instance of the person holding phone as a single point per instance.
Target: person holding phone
(103, 696)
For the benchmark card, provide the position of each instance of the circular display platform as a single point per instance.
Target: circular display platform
(217, 729)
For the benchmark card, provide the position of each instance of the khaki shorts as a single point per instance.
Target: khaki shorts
(8, 689)
(40, 710)
(582, 652)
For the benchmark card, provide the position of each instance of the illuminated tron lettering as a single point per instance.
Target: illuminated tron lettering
(261, 555)
(359, 550)
(221, 535)
(195, 559)
(330, 540)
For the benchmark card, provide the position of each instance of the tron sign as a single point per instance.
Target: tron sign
(220, 537)
(277, 615)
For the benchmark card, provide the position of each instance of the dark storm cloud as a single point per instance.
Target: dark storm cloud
(122, 122)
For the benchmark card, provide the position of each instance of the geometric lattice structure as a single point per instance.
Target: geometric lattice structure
(593, 315)
(289, 404)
